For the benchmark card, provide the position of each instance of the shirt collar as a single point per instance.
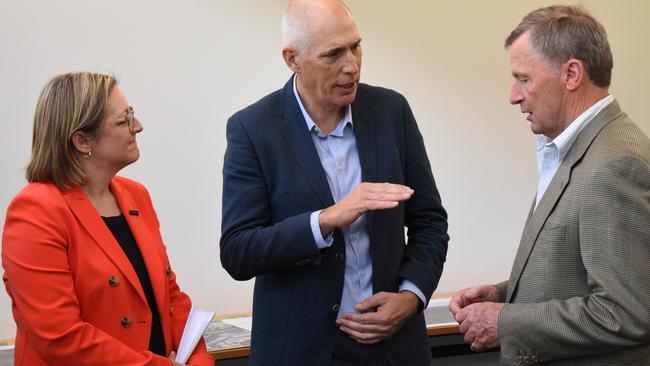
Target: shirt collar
(564, 140)
(311, 125)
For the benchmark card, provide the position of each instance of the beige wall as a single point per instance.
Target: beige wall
(187, 65)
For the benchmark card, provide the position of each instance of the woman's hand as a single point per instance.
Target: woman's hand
(172, 356)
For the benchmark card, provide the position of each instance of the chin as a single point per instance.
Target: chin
(346, 99)
(134, 158)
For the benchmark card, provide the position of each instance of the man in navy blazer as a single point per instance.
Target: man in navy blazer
(320, 179)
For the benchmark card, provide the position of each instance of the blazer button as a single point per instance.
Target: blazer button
(113, 281)
(338, 256)
(171, 311)
(126, 321)
(335, 308)
(168, 271)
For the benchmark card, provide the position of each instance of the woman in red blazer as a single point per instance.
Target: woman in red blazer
(84, 261)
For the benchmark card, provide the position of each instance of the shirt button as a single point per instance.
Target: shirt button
(338, 256)
(168, 271)
(335, 308)
(126, 321)
(113, 281)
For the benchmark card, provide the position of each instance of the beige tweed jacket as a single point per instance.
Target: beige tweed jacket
(579, 290)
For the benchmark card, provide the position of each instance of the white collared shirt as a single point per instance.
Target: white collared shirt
(551, 153)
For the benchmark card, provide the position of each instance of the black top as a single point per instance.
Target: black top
(122, 233)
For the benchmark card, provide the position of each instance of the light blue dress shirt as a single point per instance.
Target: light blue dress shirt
(551, 153)
(340, 160)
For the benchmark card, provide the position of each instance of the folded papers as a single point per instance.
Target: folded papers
(195, 325)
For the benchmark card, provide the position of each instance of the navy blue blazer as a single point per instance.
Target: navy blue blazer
(273, 180)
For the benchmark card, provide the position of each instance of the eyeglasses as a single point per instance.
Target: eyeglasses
(129, 118)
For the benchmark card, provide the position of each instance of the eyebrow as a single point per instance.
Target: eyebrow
(340, 48)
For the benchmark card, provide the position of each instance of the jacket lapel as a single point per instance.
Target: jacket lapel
(145, 241)
(365, 134)
(90, 220)
(302, 146)
(364, 131)
(558, 184)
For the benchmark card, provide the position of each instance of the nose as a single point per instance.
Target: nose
(516, 96)
(136, 125)
(352, 62)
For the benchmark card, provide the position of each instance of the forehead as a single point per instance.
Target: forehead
(524, 58)
(116, 103)
(337, 32)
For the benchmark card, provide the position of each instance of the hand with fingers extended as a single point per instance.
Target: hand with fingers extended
(471, 295)
(365, 197)
(392, 310)
(479, 324)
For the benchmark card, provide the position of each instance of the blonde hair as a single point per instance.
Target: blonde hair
(69, 103)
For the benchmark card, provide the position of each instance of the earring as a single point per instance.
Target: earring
(88, 154)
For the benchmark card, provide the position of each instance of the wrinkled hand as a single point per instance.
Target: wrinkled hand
(479, 323)
(365, 197)
(471, 295)
(172, 356)
(393, 309)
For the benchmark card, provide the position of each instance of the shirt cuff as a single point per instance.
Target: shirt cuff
(321, 242)
(410, 286)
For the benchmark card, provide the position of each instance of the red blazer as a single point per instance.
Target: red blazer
(75, 297)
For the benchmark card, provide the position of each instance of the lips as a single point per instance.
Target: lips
(349, 85)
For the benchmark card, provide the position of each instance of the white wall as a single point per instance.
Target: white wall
(188, 65)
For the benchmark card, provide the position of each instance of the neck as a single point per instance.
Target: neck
(97, 189)
(326, 117)
(583, 101)
(578, 102)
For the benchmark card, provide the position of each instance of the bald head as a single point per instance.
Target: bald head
(304, 18)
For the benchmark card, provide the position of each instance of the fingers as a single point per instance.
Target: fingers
(471, 295)
(379, 193)
(371, 302)
(367, 323)
(457, 302)
(365, 197)
(364, 328)
(365, 338)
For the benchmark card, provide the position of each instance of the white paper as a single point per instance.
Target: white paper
(195, 325)
(438, 303)
(245, 322)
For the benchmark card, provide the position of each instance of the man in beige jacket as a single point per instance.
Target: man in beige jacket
(579, 290)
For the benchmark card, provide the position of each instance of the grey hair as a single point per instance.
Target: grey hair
(294, 29)
(562, 32)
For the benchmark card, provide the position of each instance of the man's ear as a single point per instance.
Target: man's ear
(82, 142)
(575, 73)
(289, 56)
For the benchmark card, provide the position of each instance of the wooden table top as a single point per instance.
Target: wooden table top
(225, 341)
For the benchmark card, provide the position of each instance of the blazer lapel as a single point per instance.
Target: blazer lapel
(364, 131)
(558, 184)
(145, 240)
(302, 146)
(90, 220)
(365, 134)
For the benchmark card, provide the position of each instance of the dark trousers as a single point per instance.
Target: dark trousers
(348, 352)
